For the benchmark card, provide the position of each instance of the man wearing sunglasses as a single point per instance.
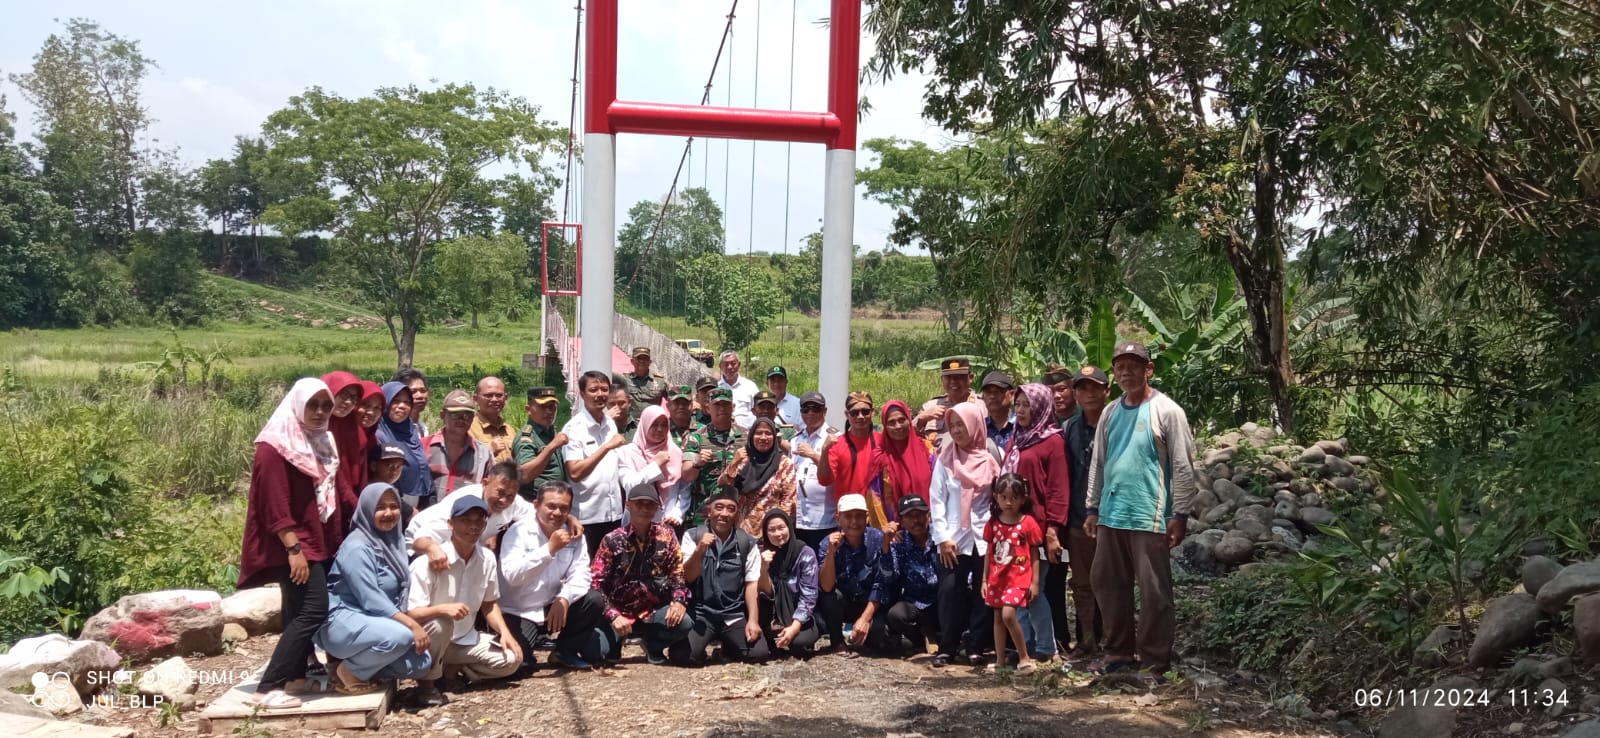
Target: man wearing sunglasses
(814, 504)
(851, 458)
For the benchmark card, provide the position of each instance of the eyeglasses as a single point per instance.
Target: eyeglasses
(463, 415)
(861, 413)
(811, 408)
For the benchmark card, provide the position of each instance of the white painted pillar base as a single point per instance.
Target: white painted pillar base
(595, 308)
(838, 261)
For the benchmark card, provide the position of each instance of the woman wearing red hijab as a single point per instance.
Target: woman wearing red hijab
(907, 466)
(352, 408)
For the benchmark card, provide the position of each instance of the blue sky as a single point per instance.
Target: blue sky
(223, 67)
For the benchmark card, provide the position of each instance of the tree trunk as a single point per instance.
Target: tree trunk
(474, 317)
(405, 348)
(1258, 262)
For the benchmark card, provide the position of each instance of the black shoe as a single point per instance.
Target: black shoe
(655, 655)
(977, 659)
(942, 660)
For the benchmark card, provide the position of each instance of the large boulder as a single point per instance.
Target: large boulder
(1312, 455)
(1425, 721)
(1586, 624)
(1286, 510)
(1219, 456)
(12, 703)
(1585, 729)
(1315, 516)
(1578, 579)
(1509, 622)
(1234, 550)
(1227, 491)
(1537, 571)
(1197, 552)
(1338, 467)
(57, 694)
(54, 654)
(1332, 448)
(160, 624)
(258, 610)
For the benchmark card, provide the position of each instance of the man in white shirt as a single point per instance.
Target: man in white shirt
(744, 390)
(814, 503)
(592, 468)
(469, 583)
(788, 405)
(544, 574)
(428, 534)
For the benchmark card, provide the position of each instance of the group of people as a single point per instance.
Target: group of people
(718, 515)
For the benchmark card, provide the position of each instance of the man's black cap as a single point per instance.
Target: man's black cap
(1091, 373)
(764, 396)
(911, 503)
(997, 378)
(1131, 348)
(813, 397)
(704, 383)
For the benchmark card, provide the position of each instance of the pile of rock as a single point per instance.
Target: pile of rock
(1262, 497)
(142, 627)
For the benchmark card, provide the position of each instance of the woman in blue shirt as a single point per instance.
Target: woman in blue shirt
(367, 629)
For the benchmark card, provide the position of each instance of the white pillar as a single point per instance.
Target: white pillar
(544, 316)
(599, 255)
(838, 257)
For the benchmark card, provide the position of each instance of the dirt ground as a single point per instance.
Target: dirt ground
(829, 695)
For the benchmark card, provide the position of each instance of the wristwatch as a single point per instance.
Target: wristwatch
(293, 549)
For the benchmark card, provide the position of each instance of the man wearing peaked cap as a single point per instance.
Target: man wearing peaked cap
(455, 458)
(1141, 484)
(644, 388)
(537, 449)
(708, 451)
(1059, 379)
(955, 374)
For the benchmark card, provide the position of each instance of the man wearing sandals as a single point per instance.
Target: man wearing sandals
(470, 579)
(1141, 481)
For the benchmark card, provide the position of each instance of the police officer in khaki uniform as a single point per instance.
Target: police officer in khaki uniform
(644, 388)
(955, 374)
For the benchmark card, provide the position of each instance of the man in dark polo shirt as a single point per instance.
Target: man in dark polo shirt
(1090, 388)
(721, 564)
(537, 450)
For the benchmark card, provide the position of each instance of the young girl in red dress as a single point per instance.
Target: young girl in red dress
(1010, 577)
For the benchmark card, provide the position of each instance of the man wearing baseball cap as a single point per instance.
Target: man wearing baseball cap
(455, 458)
(388, 461)
(998, 392)
(814, 503)
(766, 406)
(1141, 482)
(788, 405)
(914, 582)
(537, 450)
(708, 451)
(639, 570)
(445, 600)
(851, 581)
(955, 374)
(644, 388)
(702, 399)
(1090, 388)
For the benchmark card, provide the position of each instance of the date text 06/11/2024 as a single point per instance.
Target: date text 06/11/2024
(1458, 697)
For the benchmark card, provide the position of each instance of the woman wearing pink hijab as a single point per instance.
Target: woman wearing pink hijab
(654, 457)
(959, 496)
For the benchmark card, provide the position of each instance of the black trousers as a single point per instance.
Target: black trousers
(594, 532)
(813, 538)
(1055, 592)
(804, 642)
(967, 622)
(838, 612)
(580, 637)
(712, 628)
(915, 624)
(305, 608)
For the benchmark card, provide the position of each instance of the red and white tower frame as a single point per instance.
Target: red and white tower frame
(605, 116)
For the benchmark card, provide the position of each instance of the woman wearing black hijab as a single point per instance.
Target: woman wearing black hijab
(788, 587)
(762, 475)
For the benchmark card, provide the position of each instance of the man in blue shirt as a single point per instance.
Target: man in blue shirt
(1141, 482)
(851, 579)
(911, 574)
(997, 393)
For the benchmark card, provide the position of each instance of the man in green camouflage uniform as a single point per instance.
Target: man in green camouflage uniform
(708, 451)
(537, 449)
(680, 414)
(702, 399)
(644, 389)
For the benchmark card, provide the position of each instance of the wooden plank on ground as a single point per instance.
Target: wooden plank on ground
(323, 711)
(21, 726)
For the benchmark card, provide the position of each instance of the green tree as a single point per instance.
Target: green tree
(478, 274)
(166, 273)
(656, 237)
(398, 165)
(86, 85)
(736, 297)
(34, 274)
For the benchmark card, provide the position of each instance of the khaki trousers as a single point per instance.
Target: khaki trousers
(482, 661)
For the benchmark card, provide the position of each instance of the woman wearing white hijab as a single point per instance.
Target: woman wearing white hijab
(291, 524)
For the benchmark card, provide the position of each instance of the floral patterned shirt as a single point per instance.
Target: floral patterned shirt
(638, 577)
